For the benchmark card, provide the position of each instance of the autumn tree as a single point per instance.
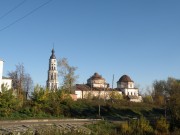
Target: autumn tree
(173, 101)
(67, 73)
(167, 92)
(158, 93)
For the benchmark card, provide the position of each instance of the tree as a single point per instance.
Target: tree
(21, 81)
(158, 93)
(168, 92)
(114, 95)
(173, 102)
(28, 84)
(8, 103)
(162, 127)
(67, 72)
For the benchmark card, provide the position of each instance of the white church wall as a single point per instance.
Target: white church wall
(133, 92)
(7, 83)
(90, 94)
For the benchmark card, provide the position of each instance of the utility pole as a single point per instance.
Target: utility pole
(113, 81)
(99, 105)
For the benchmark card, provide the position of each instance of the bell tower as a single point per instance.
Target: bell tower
(52, 80)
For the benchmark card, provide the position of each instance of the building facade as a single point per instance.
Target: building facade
(52, 81)
(7, 82)
(1, 72)
(126, 85)
(97, 87)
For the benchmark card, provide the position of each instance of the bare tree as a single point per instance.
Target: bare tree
(28, 84)
(21, 81)
(67, 72)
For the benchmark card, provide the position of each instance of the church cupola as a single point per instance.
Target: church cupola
(97, 81)
(53, 55)
(125, 82)
(52, 81)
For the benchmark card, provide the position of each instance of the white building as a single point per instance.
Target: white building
(7, 82)
(52, 81)
(96, 87)
(84, 91)
(126, 85)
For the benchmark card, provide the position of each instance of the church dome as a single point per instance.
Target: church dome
(96, 76)
(125, 78)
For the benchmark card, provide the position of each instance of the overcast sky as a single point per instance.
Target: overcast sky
(140, 38)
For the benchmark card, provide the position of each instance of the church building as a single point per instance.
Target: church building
(126, 85)
(97, 87)
(52, 81)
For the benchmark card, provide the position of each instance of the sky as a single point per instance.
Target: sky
(140, 38)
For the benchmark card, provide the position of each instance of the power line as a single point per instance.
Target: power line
(14, 8)
(21, 18)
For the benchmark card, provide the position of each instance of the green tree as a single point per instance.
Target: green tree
(162, 127)
(39, 100)
(141, 126)
(67, 72)
(8, 103)
(167, 93)
(158, 93)
(114, 95)
(173, 102)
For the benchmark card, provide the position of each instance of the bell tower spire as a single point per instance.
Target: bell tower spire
(52, 81)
